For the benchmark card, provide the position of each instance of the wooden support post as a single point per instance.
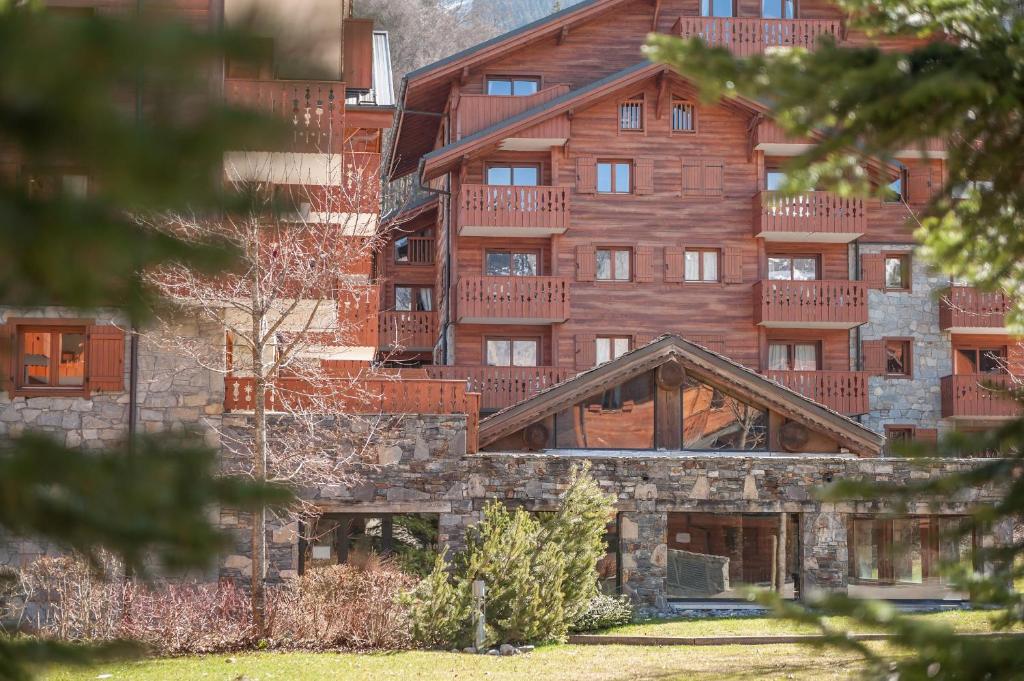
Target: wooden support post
(780, 556)
(386, 533)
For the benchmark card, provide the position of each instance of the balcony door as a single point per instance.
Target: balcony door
(518, 175)
(778, 9)
(512, 352)
(793, 356)
(512, 263)
(717, 8)
(793, 267)
(980, 360)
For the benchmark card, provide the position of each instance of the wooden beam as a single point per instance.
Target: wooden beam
(663, 96)
(563, 35)
(657, 15)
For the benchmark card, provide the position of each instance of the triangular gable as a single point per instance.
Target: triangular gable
(704, 364)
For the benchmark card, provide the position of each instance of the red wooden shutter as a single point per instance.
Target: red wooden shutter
(7, 352)
(105, 358)
(586, 352)
(872, 356)
(733, 266)
(643, 183)
(919, 182)
(872, 270)
(586, 175)
(358, 53)
(675, 264)
(586, 263)
(644, 264)
(693, 177)
(714, 174)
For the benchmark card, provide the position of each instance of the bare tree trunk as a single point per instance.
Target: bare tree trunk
(259, 517)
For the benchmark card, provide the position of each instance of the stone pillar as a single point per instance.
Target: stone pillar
(451, 527)
(644, 552)
(824, 559)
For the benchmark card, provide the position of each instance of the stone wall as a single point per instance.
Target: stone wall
(915, 401)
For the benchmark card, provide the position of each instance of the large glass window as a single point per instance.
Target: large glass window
(515, 86)
(716, 8)
(517, 175)
(517, 352)
(51, 357)
(618, 418)
(714, 420)
(414, 299)
(786, 356)
(511, 264)
(980, 360)
(794, 268)
(778, 9)
(613, 177)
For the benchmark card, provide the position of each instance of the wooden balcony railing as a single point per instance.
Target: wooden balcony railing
(315, 109)
(822, 213)
(365, 397)
(843, 391)
(815, 304)
(524, 300)
(978, 396)
(421, 251)
(746, 36)
(357, 312)
(501, 387)
(510, 211)
(407, 330)
(965, 307)
(477, 112)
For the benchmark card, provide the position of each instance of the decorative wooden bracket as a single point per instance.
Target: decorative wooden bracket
(464, 75)
(663, 96)
(563, 34)
(755, 121)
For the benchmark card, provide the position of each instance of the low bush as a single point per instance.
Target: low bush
(603, 612)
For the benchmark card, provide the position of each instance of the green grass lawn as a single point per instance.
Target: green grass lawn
(550, 663)
(960, 620)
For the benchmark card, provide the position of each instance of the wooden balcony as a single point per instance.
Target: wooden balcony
(477, 112)
(387, 395)
(818, 304)
(746, 36)
(506, 211)
(965, 309)
(421, 251)
(412, 331)
(817, 217)
(315, 110)
(501, 387)
(978, 396)
(512, 300)
(845, 392)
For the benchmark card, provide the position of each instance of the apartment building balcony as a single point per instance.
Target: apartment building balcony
(978, 396)
(845, 392)
(510, 211)
(410, 331)
(746, 36)
(314, 110)
(815, 217)
(965, 309)
(420, 251)
(501, 387)
(512, 300)
(476, 112)
(815, 304)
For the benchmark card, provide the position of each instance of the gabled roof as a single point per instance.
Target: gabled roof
(717, 368)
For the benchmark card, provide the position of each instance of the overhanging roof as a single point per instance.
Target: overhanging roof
(718, 368)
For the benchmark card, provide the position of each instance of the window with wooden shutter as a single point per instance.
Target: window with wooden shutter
(693, 177)
(872, 357)
(674, 264)
(586, 175)
(872, 270)
(105, 361)
(644, 256)
(585, 351)
(643, 182)
(733, 269)
(714, 175)
(7, 353)
(586, 259)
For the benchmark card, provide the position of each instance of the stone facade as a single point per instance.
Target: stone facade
(917, 400)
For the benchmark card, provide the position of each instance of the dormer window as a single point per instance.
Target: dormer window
(512, 86)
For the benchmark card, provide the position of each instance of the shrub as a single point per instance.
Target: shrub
(603, 612)
(439, 608)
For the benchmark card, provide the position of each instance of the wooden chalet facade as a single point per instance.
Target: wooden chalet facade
(579, 202)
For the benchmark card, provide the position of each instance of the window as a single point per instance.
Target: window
(895, 436)
(774, 179)
(611, 347)
(614, 264)
(907, 550)
(513, 175)
(962, 191)
(631, 114)
(716, 8)
(684, 116)
(980, 360)
(787, 356)
(794, 268)
(515, 86)
(897, 271)
(414, 298)
(511, 264)
(50, 184)
(613, 177)
(777, 9)
(516, 352)
(701, 264)
(714, 420)
(896, 190)
(51, 357)
(621, 417)
(897, 357)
